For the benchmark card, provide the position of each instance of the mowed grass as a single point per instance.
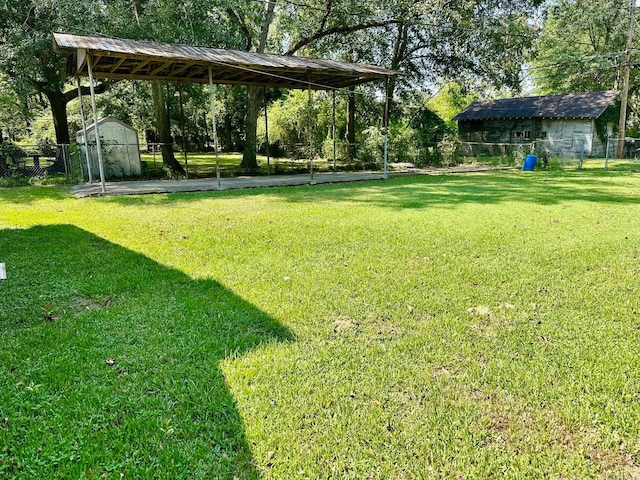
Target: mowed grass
(476, 326)
(203, 165)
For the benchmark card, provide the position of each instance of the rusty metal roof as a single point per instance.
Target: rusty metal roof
(572, 105)
(146, 60)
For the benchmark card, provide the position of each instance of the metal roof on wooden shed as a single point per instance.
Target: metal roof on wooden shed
(572, 105)
(146, 60)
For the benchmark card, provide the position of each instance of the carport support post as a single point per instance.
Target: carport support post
(266, 130)
(333, 129)
(213, 121)
(310, 133)
(386, 129)
(606, 153)
(95, 125)
(84, 130)
(184, 138)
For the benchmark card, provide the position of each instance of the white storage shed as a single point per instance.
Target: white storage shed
(120, 149)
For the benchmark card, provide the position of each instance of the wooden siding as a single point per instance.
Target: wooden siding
(560, 137)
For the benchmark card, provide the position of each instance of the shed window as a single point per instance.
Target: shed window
(527, 134)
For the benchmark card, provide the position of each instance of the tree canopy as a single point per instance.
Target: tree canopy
(581, 47)
(478, 44)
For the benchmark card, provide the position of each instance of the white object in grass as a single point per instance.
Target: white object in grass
(3, 271)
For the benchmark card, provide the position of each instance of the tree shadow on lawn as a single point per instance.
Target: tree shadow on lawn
(110, 363)
(424, 191)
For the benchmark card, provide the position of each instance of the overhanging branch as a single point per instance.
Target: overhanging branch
(332, 31)
(100, 88)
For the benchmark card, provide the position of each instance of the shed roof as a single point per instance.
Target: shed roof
(146, 60)
(572, 105)
(105, 120)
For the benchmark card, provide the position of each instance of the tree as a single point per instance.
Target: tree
(289, 27)
(171, 21)
(451, 100)
(27, 56)
(471, 42)
(581, 48)
(14, 115)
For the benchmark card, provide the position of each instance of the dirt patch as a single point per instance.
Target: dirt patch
(84, 304)
(488, 323)
(615, 461)
(514, 424)
(342, 323)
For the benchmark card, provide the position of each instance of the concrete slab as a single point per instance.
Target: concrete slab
(206, 184)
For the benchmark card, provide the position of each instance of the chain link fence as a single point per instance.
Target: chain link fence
(622, 153)
(48, 163)
(32, 163)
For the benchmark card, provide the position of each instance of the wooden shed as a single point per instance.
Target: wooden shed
(562, 125)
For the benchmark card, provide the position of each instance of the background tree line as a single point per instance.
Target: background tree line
(447, 51)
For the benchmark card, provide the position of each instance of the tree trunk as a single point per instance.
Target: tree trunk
(391, 86)
(163, 126)
(58, 104)
(254, 97)
(351, 124)
(249, 160)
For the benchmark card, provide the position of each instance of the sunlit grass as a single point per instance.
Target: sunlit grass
(480, 326)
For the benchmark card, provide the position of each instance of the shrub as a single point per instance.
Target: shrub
(11, 153)
(14, 180)
(371, 149)
(449, 150)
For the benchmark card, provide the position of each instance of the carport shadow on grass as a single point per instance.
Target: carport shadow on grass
(110, 363)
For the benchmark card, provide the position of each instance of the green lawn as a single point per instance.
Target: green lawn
(461, 327)
(203, 165)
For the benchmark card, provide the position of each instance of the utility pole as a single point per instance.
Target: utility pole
(625, 86)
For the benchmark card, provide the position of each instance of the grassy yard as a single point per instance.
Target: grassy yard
(203, 165)
(462, 327)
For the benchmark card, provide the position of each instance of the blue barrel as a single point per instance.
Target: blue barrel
(529, 162)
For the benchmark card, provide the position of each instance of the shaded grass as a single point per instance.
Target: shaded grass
(111, 363)
(203, 165)
(484, 326)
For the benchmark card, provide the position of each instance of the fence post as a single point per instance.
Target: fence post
(80, 163)
(64, 160)
(606, 154)
(582, 153)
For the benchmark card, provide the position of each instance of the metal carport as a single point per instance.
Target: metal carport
(108, 57)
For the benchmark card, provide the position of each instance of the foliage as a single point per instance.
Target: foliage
(518, 155)
(13, 112)
(449, 149)
(424, 41)
(27, 56)
(451, 100)
(14, 180)
(610, 116)
(581, 47)
(371, 148)
(11, 152)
